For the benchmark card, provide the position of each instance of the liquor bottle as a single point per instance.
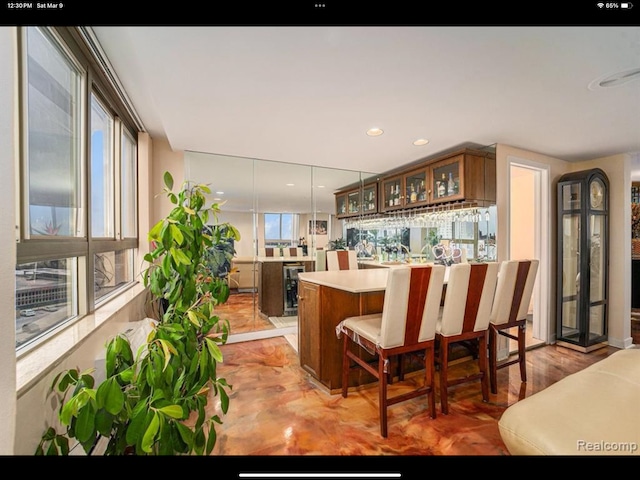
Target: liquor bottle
(442, 187)
(451, 186)
(423, 193)
(413, 197)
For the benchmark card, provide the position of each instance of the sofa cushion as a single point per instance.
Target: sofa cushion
(595, 411)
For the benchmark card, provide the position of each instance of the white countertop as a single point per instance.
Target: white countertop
(285, 259)
(272, 259)
(355, 281)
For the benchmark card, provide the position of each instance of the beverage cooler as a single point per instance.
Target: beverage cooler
(290, 278)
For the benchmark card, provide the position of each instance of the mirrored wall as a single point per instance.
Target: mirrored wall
(275, 206)
(290, 211)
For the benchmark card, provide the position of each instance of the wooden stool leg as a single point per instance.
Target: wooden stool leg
(493, 358)
(429, 380)
(521, 351)
(345, 364)
(382, 396)
(482, 361)
(444, 360)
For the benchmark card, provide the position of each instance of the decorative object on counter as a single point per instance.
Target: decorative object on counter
(156, 401)
(446, 254)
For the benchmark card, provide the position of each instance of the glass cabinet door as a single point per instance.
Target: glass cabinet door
(415, 188)
(370, 198)
(353, 202)
(392, 194)
(341, 205)
(446, 180)
(596, 275)
(570, 275)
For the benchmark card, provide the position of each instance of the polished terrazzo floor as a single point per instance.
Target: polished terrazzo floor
(277, 409)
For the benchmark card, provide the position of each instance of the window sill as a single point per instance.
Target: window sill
(38, 361)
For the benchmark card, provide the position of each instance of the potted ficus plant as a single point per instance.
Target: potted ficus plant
(155, 401)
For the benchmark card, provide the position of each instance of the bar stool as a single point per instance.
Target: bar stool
(465, 318)
(342, 260)
(510, 310)
(407, 324)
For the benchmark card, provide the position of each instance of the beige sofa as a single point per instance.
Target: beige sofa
(595, 411)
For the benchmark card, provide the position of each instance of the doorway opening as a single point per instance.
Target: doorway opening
(529, 237)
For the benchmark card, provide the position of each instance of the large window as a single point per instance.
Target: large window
(79, 158)
(102, 220)
(279, 228)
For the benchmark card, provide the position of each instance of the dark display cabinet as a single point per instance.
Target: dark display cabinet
(583, 259)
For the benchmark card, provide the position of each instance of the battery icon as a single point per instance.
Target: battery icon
(626, 5)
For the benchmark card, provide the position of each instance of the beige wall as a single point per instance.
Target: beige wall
(8, 147)
(164, 159)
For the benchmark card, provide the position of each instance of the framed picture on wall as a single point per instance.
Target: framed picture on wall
(317, 227)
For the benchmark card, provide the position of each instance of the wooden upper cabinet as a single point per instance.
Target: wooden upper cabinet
(468, 176)
(349, 203)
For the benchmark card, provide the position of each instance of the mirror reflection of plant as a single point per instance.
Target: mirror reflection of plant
(338, 244)
(155, 403)
(635, 220)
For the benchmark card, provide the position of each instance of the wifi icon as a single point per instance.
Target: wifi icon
(600, 5)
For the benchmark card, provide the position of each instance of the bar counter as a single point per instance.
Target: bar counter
(324, 300)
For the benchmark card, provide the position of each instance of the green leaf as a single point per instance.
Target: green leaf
(177, 234)
(168, 180)
(173, 411)
(154, 233)
(186, 433)
(214, 350)
(211, 439)
(137, 424)
(149, 435)
(224, 400)
(85, 428)
(110, 396)
(193, 318)
(104, 422)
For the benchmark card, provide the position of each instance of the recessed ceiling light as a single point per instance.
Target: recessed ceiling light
(217, 199)
(220, 193)
(290, 184)
(320, 186)
(421, 141)
(374, 132)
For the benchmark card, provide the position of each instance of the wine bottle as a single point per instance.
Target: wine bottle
(414, 196)
(442, 187)
(451, 186)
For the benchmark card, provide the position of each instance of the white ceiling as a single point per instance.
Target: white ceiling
(307, 95)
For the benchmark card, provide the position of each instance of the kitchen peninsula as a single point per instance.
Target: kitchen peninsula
(324, 300)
